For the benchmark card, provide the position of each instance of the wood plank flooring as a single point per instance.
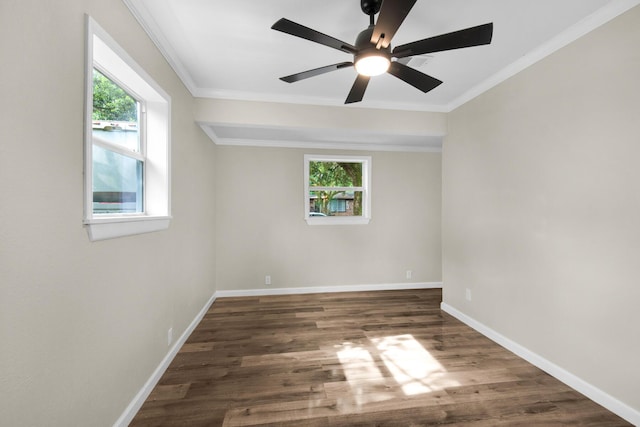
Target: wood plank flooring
(390, 358)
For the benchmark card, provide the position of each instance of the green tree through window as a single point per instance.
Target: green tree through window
(111, 102)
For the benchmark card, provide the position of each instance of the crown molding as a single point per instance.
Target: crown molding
(590, 23)
(308, 100)
(151, 27)
(208, 127)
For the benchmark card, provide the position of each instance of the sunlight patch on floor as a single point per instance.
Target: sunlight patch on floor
(365, 379)
(411, 365)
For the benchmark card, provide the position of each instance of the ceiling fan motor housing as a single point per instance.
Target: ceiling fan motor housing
(366, 48)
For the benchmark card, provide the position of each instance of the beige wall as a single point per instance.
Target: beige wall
(83, 325)
(541, 208)
(261, 228)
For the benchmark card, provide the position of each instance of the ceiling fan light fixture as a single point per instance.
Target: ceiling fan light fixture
(372, 52)
(372, 65)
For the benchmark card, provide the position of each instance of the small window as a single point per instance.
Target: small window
(126, 143)
(337, 189)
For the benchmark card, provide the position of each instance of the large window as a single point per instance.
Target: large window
(126, 143)
(337, 189)
(118, 151)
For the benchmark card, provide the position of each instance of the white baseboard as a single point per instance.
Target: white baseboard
(145, 391)
(617, 407)
(326, 289)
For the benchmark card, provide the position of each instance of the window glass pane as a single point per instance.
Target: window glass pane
(335, 174)
(115, 117)
(117, 182)
(335, 203)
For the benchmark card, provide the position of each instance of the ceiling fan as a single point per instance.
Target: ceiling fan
(372, 52)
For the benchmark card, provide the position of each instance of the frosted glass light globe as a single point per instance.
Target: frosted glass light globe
(372, 65)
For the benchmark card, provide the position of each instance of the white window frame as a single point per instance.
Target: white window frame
(107, 56)
(366, 190)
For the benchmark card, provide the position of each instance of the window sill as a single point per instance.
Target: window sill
(337, 220)
(113, 227)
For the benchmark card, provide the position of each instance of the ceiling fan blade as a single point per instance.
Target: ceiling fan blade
(315, 72)
(295, 29)
(414, 77)
(474, 36)
(392, 13)
(357, 90)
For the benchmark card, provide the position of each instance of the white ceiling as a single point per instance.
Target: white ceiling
(226, 49)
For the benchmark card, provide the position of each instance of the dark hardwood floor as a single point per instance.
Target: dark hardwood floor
(389, 358)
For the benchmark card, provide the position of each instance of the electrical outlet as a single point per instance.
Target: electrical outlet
(169, 336)
(467, 294)
(267, 280)
(409, 274)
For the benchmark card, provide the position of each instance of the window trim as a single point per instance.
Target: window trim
(107, 56)
(366, 191)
